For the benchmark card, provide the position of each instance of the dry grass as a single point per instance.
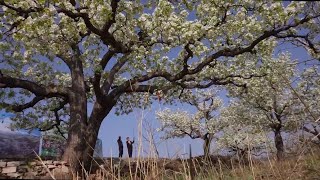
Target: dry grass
(303, 164)
(297, 167)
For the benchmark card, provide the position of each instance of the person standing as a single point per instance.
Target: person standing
(129, 146)
(120, 145)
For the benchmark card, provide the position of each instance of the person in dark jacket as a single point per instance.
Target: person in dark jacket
(129, 146)
(120, 145)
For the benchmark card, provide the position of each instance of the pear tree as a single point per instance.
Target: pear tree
(201, 125)
(269, 104)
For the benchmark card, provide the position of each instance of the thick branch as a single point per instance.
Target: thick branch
(189, 134)
(20, 11)
(38, 90)
(97, 75)
(85, 18)
(114, 6)
(115, 69)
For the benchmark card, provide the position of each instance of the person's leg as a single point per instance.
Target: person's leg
(130, 152)
(120, 152)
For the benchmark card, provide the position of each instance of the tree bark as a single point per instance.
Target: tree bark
(279, 143)
(78, 137)
(80, 149)
(206, 145)
(83, 131)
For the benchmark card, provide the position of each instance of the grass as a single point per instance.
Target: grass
(303, 164)
(296, 167)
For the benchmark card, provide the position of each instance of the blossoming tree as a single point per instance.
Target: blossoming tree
(308, 92)
(242, 134)
(59, 55)
(201, 125)
(269, 103)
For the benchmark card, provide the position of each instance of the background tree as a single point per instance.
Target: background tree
(244, 141)
(201, 125)
(308, 92)
(243, 134)
(271, 100)
(58, 56)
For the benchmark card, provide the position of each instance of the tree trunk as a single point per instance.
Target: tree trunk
(83, 131)
(279, 143)
(80, 149)
(77, 147)
(206, 145)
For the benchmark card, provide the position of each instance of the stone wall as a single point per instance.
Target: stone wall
(33, 169)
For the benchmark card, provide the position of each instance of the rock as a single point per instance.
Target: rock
(3, 164)
(14, 175)
(65, 169)
(22, 169)
(15, 163)
(32, 163)
(38, 168)
(39, 163)
(52, 166)
(30, 175)
(3, 176)
(57, 170)
(9, 170)
(48, 162)
(43, 172)
(93, 176)
(45, 177)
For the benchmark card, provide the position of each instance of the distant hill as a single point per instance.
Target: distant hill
(15, 145)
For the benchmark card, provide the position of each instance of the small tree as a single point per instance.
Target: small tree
(201, 125)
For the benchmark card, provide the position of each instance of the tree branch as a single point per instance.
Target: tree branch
(114, 6)
(106, 37)
(115, 69)
(307, 42)
(38, 90)
(20, 11)
(20, 108)
(57, 119)
(222, 53)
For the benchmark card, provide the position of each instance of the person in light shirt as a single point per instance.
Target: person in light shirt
(129, 146)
